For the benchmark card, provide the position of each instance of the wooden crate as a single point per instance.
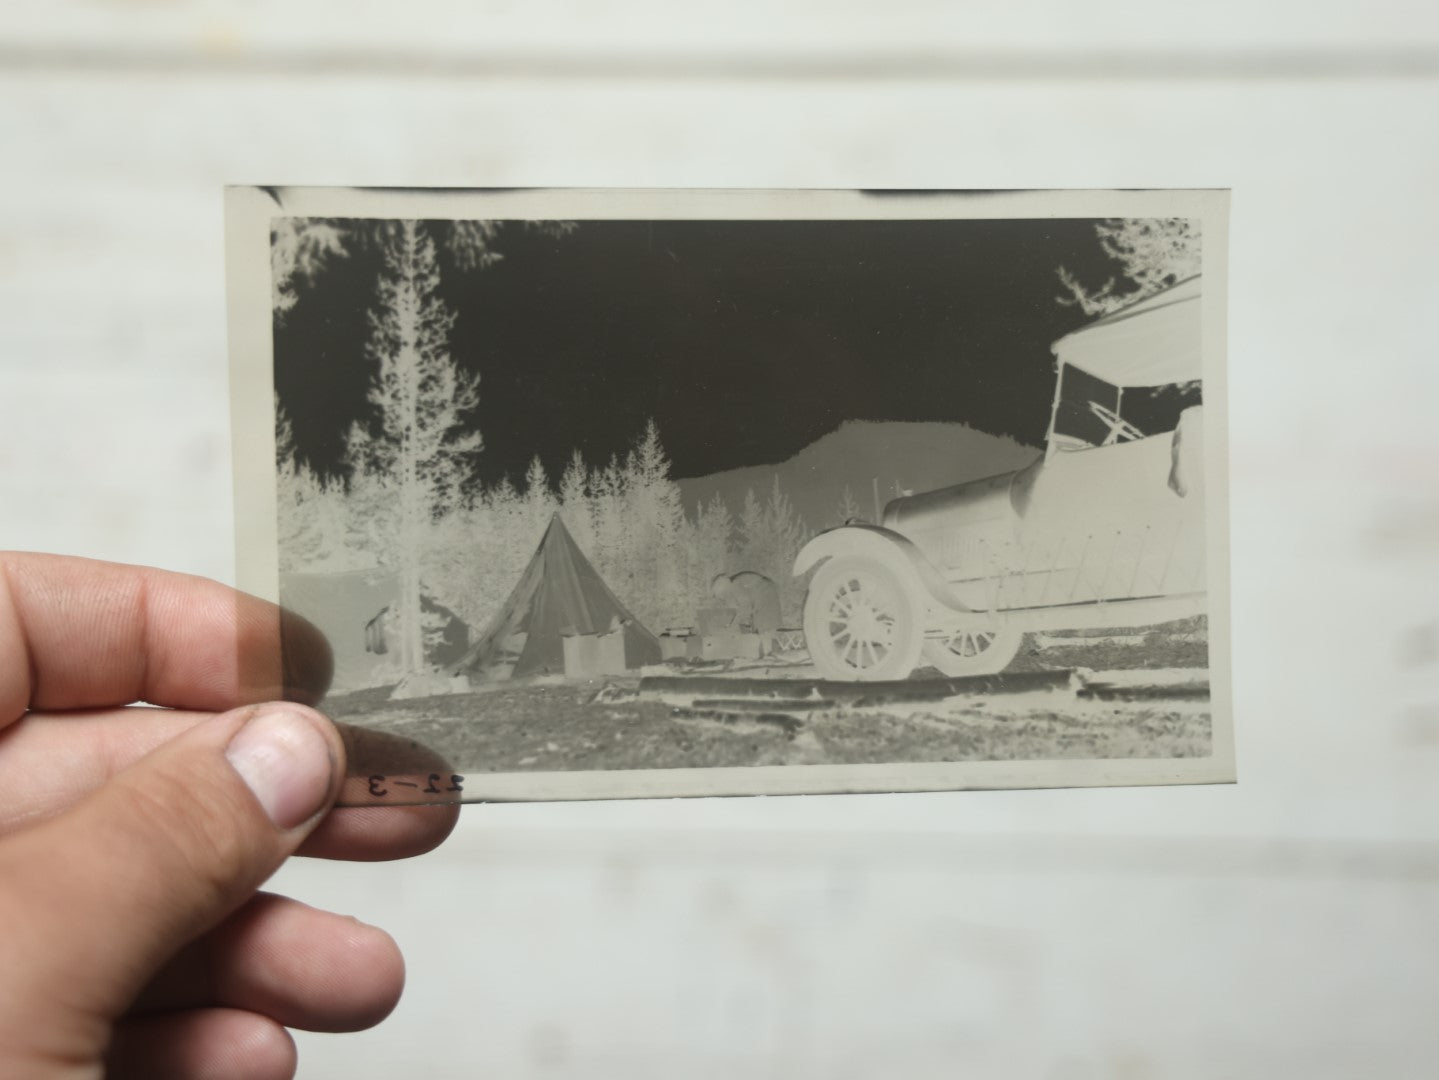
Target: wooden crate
(588, 655)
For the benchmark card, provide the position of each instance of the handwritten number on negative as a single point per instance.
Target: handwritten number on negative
(379, 790)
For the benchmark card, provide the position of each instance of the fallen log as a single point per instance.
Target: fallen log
(760, 705)
(1140, 692)
(854, 693)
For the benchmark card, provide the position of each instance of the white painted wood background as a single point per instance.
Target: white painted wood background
(1285, 926)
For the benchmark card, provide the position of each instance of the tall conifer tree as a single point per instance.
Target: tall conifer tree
(414, 453)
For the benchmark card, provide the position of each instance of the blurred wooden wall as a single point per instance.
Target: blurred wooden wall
(1281, 927)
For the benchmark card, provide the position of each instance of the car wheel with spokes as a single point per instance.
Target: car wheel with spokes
(974, 650)
(861, 622)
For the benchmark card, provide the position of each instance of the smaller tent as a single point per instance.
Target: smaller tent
(350, 608)
(559, 595)
(340, 605)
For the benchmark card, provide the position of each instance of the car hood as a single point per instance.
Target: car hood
(995, 498)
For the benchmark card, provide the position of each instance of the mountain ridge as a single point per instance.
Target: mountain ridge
(862, 455)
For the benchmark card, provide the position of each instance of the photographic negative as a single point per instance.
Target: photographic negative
(602, 494)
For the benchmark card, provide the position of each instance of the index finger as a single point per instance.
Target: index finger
(78, 634)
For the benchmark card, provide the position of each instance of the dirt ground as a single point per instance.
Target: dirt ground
(550, 725)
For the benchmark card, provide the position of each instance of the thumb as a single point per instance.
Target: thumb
(94, 901)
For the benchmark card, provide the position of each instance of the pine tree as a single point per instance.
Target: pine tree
(456, 559)
(299, 249)
(753, 542)
(539, 502)
(771, 535)
(575, 502)
(849, 509)
(1152, 254)
(293, 487)
(413, 455)
(373, 518)
(311, 528)
(787, 534)
(711, 549)
(509, 538)
(608, 490)
(655, 555)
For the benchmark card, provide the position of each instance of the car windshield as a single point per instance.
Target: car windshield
(1090, 412)
(1129, 374)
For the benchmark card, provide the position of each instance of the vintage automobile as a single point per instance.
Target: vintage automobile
(1104, 529)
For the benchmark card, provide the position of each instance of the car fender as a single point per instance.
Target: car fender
(895, 551)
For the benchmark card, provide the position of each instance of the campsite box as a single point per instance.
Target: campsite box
(680, 644)
(587, 655)
(722, 639)
(730, 645)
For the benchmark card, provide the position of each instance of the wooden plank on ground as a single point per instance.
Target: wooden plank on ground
(853, 692)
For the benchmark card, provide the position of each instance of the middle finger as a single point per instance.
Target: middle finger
(300, 966)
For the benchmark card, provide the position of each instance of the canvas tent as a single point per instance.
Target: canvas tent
(348, 607)
(559, 595)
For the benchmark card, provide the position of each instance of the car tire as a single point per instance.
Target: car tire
(862, 622)
(974, 652)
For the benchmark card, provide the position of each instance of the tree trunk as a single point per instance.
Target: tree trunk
(412, 501)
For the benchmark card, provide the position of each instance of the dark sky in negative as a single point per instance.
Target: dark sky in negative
(746, 341)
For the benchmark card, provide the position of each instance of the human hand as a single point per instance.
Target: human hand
(133, 840)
